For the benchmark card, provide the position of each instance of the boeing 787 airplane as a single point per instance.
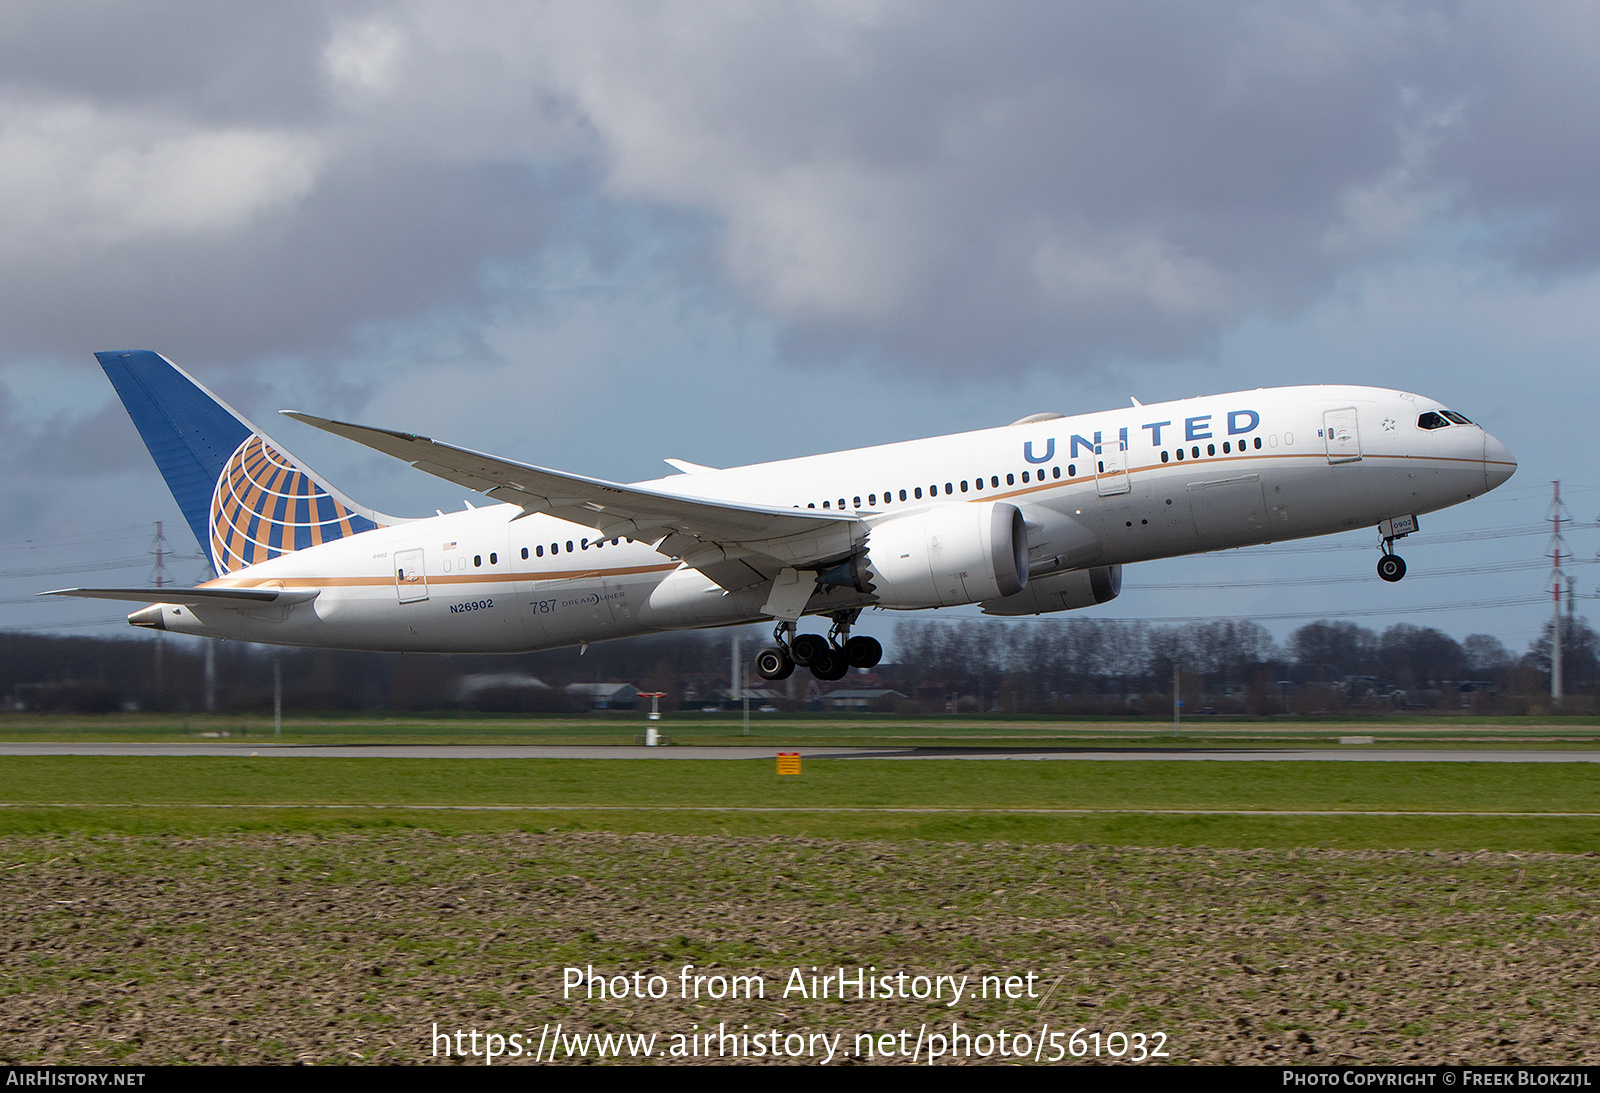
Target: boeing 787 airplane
(1038, 516)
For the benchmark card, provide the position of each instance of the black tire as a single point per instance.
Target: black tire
(830, 665)
(863, 652)
(773, 663)
(805, 648)
(1391, 567)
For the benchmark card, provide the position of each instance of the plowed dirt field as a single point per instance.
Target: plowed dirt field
(350, 947)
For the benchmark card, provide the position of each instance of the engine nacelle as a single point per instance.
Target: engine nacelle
(946, 555)
(1061, 592)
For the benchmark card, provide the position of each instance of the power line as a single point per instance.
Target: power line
(1325, 579)
(75, 567)
(108, 536)
(1371, 612)
(1343, 613)
(1530, 493)
(1509, 531)
(110, 621)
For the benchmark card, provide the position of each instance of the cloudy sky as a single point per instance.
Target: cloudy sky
(592, 235)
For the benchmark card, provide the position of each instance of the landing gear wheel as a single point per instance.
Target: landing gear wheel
(1391, 567)
(863, 652)
(774, 664)
(806, 648)
(830, 664)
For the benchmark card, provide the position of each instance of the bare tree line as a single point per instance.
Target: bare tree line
(1073, 665)
(1103, 664)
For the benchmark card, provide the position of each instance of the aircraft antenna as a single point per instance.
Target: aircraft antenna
(1558, 577)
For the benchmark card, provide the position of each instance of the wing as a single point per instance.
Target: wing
(193, 597)
(735, 545)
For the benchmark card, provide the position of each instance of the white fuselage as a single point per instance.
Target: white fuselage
(1256, 467)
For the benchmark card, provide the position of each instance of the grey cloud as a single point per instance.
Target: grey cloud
(1523, 156)
(49, 454)
(1016, 185)
(234, 63)
(59, 468)
(365, 247)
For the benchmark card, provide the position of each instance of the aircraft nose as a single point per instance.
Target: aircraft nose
(1498, 462)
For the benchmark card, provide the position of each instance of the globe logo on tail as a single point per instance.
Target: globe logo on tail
(264, 506)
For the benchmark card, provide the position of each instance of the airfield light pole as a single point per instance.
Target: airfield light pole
(1177, 701)
(652, 735)
(209, 698)
(736, 682)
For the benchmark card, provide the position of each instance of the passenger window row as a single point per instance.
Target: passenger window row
(571, 547)
(977, 484)
(974, 485)
(1211, 449)
(582, 544)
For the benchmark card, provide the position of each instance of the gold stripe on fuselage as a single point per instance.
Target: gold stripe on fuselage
(458, 579)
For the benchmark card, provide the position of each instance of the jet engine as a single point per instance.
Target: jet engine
(940, 557)
(1061, 592)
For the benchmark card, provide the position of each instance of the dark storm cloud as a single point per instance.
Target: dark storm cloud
(1009, 184)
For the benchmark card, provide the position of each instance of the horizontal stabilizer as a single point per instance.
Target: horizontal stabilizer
(195, 597)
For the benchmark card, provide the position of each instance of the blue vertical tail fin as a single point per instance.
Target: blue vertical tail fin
(245, 497)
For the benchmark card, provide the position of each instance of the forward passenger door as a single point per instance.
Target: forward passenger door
(1342, 435)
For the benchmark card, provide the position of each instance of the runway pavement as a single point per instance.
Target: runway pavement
(1355, 754)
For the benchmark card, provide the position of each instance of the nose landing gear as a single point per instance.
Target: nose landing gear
(1391, 567)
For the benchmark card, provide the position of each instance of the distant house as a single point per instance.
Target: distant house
(470, 687)
(758, 696)
(607, 696)
(880, 698)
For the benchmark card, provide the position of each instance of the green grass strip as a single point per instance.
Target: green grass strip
(1271, 831)
(1427, 787)
(1389, 805)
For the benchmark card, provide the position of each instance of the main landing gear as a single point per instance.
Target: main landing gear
(829, 658)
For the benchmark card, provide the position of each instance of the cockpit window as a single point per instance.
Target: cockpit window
(1431, 420)
(1459, 419)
